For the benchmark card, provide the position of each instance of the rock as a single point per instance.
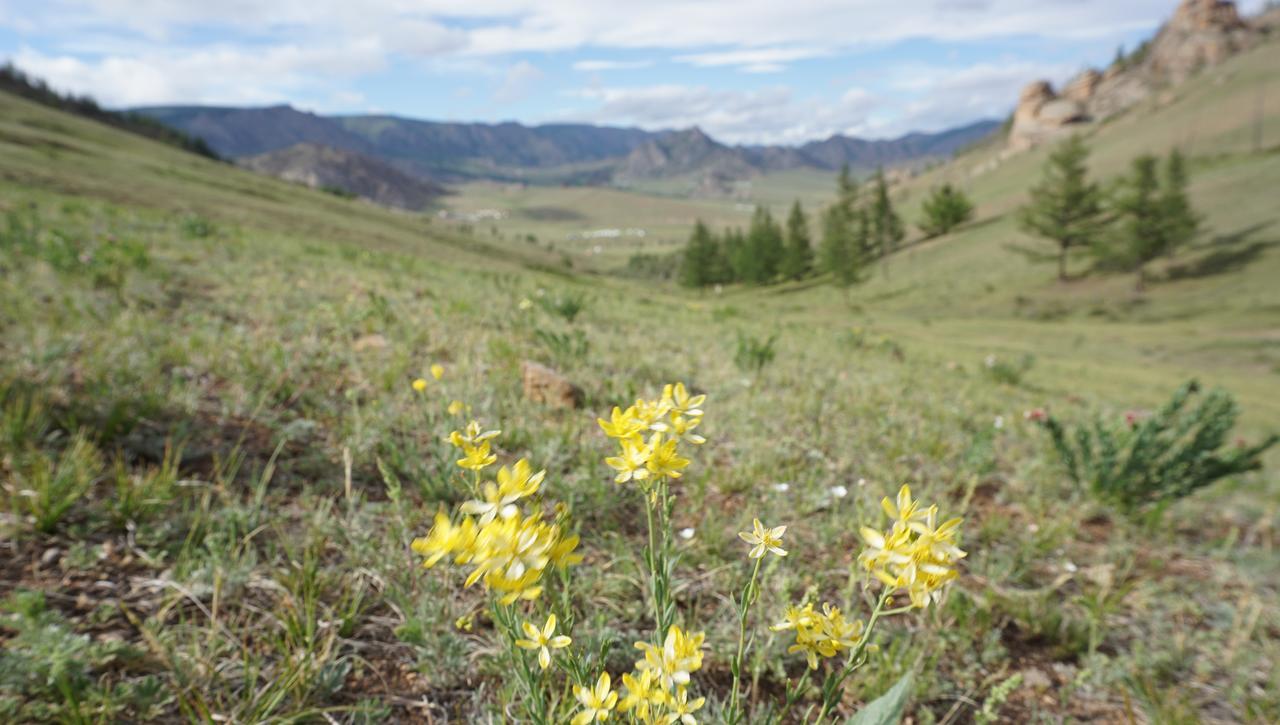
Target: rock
(1081, 88)
(544, 385)
(50, 556)
(1200, 33)
(1042, 115)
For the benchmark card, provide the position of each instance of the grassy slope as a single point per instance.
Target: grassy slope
(294, 325)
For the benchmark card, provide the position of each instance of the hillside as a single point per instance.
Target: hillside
(322, 167)
(227, 407)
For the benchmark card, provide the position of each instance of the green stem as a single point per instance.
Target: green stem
(793, 695)
(748, 598)
(535, 705)
(832, 686)
(652, 559)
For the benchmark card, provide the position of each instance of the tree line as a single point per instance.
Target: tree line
(859, 228)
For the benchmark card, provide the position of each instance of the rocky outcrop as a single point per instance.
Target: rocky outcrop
(1200, 33)
(1043, 115)
(322, 167)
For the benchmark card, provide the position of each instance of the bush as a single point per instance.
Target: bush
(1008, 372)
(754, 354)
(1150, 462)
(568, 305)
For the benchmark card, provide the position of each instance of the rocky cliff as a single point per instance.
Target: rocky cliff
(1200, 33)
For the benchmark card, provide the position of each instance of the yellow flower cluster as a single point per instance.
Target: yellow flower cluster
(509, 549)
(916, 554)
(824, 634)
(668, 421)
(657, 691)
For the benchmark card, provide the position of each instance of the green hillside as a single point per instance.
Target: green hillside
(214, 459)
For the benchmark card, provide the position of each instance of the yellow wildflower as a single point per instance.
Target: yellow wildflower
(763, 539)
(664, 459)
(437, 371)
(473, 435)
(632, 464)
(904, 509)
(642, 695)
(916, 554)
(544, 640)
(444, 539)
(466, 622)
(477, 457)
(456, 407)
(597, 702)
(679, 656)
(680, 403)
(682, 710)
(513, 484)
(420, 385)
(682, 429)
(623, 425)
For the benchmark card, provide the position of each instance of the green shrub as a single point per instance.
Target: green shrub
(1139, 462)
(754, 354)
(1008, 372)
(568, 305)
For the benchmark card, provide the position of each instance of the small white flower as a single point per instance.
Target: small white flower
(686, 534)
(1071, 567)
(839, 491)
(990, 361)
(1033, 528)
(862, 481)
(999, 422)
(781, 487)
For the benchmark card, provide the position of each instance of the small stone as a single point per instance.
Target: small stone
(50, 556)
(544, 385)
(1036, 680)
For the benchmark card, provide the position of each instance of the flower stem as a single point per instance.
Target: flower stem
(744, 607)
(832, 687)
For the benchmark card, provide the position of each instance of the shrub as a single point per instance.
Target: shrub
(754, 354)
(1007, 371)
(568, 305)
(1150, 462)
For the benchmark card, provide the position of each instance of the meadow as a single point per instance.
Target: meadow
(215, 458)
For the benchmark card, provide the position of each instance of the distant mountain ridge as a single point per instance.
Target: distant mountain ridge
(445, 151)
(324, 167)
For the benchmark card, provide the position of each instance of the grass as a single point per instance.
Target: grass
(208, 373)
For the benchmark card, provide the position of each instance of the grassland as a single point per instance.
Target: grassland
(153, 302)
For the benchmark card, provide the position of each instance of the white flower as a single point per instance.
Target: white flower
(781, 487)
(999, 422)
(839, 491)
(1071, 567)
(862, 481)
(686, 534)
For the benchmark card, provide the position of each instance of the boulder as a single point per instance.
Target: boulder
(1081, 88)
(1042, 115)
(1200, 33)
(544, 385)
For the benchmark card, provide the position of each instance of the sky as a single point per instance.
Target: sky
(745, 71)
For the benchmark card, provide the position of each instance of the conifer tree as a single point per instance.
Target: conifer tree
(1065, 207)
(1140, 231)
(696, 266)
(765, 246)
(945, 209)
(886, 226)
(1180, 220)
(798, 260)
(738, 255)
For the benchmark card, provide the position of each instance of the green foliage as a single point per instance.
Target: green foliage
(697, 265)
(141, 494)
(44, 489)
(886, 709)
(764, 249)
(990, 711)
(945, 209)
(1008, 372)
(564, 347)
(845, 236)
(566, 305)
(1065, 207)
(194, 226)
(798, 260)
(1150, 462)
(754, 354)
(1154, 217)
(47, 671)
(887, 230)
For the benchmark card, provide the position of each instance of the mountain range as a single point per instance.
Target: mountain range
(551, 153)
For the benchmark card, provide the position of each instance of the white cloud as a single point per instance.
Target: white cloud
(592, 66)
(517, 82)
(767, 115)
(752, 60)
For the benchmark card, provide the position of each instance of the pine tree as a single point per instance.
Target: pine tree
(843, 240)
(765, 247)
(721, 266)
(886, 225)
(1065, 206)
(1180, 220)
(697, 264)
(1140, 232)
(738, 255)
(945, 209)
(798, 261)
